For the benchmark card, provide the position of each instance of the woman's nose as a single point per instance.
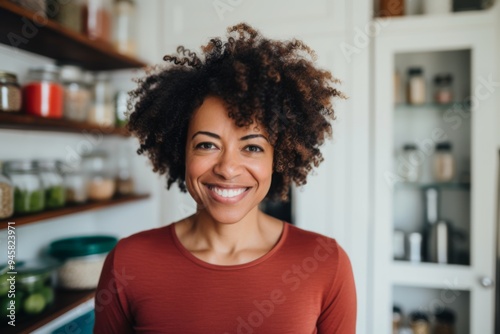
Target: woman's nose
(228, 165)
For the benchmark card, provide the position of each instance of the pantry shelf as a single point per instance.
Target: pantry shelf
(26, 30)
(438, 185)
(69, 210)
(29, 122)
(64, 301)
(431, 275)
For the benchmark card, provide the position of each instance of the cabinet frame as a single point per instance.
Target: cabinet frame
(484, 173)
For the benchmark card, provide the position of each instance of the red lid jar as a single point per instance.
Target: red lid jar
(43, 95)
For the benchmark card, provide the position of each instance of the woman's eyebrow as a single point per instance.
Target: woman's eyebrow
(216, 136)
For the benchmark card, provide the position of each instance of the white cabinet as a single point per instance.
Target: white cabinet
(464, 45)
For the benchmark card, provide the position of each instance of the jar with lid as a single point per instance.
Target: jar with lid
(29, 194)
(43, 95)
(410, 163)
(77, 96)
(124, 180)
(124, 27)
(10, 92)
(100, 179)
(96, 19)
(445, 321)
(102, 110)
(397, 319)
(52, 182)
(416, 86)
(75, 183)
(419, 323)
(443, 90)
(68, 13)
(444, 163)
(6, 195)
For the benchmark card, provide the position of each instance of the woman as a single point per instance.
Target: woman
(231, 128)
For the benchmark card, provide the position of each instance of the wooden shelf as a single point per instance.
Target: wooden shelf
(64, 301)
(29, 122)
(52, 40)
(69, 210)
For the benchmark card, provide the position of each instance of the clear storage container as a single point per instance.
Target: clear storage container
(96, 19)
(10, 92)
(77, 96)
(101, 183)
(75, 184)
(52, 182)
(6, 195)
(102, 111)
(43, 95)
(29, 194)
(82, 258)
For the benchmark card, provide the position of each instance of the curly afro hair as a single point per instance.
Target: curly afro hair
(271, 82)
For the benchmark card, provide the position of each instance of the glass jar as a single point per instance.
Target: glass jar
(43, 95)
(96, 19)
(100, 179)
(10, 92)
(6, 195)
(124, 180)
(445, 321)
(416, 86)
(443, 90)
(419, 323)
(444, 163)
(410, 163)
(68, 13)
(52, 182)
(102, 111)
(124, 27)
(77, 96)
(75, 183)
(29, 194)
(121, 101)
(397, 319)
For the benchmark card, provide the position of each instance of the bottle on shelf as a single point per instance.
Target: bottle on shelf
(444, 163)
(443, 93)
(389, 8)
(100, 177)
(444, 321)
(102, 110)
(77, 96)
(10, 93)
(419, 323)
(52, 182)
(124, 27)
(75, 183)
(416, 86)
(410, 160)
(124, 180)
(29, 194)
(97, 19)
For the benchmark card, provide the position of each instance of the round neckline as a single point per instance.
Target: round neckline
(191, 257)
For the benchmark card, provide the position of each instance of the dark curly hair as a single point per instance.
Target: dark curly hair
(274, 83)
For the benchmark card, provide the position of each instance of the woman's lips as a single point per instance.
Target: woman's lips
(229, 195)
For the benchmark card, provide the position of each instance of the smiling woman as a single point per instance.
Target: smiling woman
(232, 128)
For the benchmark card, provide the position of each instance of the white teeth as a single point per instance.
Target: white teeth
(228, 193)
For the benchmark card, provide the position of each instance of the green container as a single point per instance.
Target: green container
(63, 249)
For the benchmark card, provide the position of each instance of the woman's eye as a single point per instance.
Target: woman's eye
(206, 146)
(253, 148)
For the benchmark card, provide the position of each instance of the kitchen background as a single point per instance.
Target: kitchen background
(409, 185)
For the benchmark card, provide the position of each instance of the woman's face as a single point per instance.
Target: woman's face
(228, 168)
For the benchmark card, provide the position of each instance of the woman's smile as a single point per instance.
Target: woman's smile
(228, 168)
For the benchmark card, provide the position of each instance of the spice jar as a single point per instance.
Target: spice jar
(410, 163)
(419, 323)
(444, 163)
(124, 27)
(6, 196)
(43, 95)
(102, 111)
(416, 86)
(10, 92)
(445, 321)
(28, 190)
(124, 180)
(77, 96)
(52, 183)
(75, 183)
(397, 319)
(100, 179)
(96, 19)
(443, 91)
